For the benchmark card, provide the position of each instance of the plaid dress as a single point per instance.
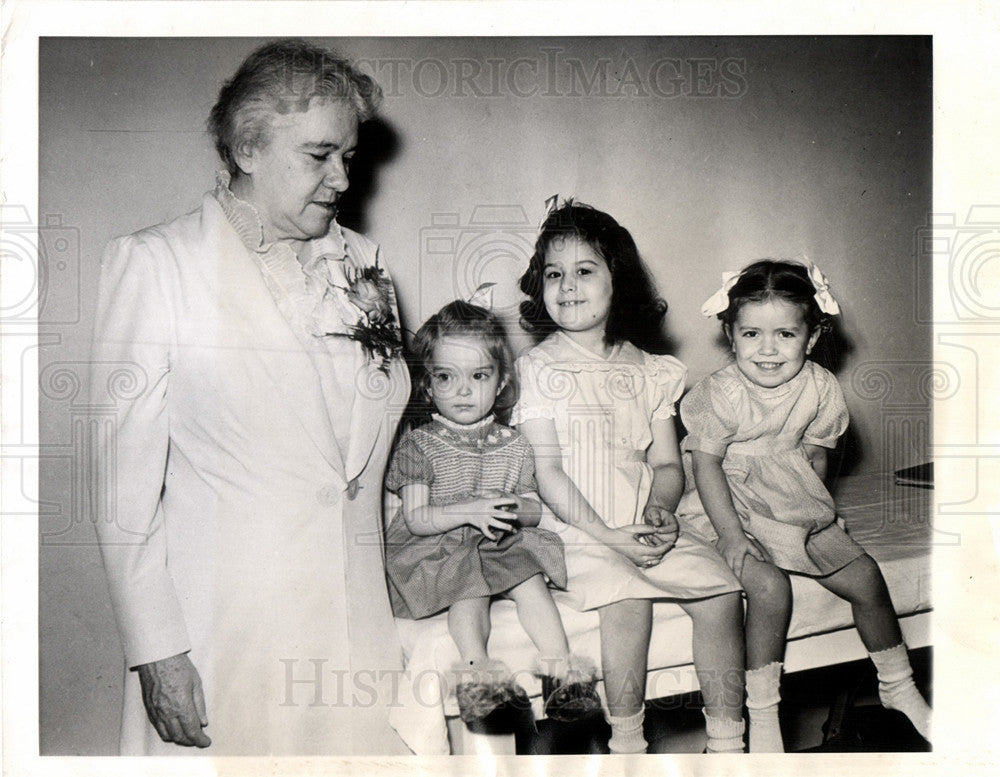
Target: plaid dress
(427, 574)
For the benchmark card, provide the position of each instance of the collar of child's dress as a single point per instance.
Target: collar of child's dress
(476, 429)
(477, 437)
(567, 355)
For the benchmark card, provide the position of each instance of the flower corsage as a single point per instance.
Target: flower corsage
(370, 291)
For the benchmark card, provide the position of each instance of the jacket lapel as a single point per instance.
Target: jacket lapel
(380, 398)
(378, 405)
(269, 339)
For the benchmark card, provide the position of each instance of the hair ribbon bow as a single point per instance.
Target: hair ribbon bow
(823, 296)
(719, 301)
(551, 204)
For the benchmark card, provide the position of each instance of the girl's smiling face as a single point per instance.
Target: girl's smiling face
(576, 287)
(771, 341)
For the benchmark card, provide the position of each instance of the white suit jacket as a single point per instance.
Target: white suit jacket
(227, 527)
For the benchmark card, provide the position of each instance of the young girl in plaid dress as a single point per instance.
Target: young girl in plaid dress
(467, 530)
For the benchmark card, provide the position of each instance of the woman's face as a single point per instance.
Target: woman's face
(297, 175)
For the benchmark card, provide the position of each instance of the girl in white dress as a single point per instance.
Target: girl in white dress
(755, 456)
(598, 409)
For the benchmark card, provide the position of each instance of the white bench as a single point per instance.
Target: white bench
(892, 522)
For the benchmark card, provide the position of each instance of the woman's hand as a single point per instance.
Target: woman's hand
(493, 511)
(736, 547)
(174, 701)
(665, 523)
(631, 542)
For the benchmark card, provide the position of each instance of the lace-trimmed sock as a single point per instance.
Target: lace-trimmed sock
(626, 733)
(724, 735)
(763, 695)
(897, 690)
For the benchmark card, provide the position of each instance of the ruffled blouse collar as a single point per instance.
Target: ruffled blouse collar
(311, 288)
(245, 219)
(243, 216)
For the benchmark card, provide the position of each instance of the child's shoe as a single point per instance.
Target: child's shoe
(569, 689)
(488, 697)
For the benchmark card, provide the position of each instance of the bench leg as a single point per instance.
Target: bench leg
(465, 742)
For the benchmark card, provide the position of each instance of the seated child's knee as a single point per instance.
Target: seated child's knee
(726, 607)
(867, 568)
(771, 585)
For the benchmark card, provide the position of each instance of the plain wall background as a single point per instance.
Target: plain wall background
(758, 147)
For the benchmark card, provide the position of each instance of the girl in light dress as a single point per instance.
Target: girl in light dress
(597, 410)
(756, 455)
(467, 530)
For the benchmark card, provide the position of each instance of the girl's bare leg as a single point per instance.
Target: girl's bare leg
(469, 624)
(718, 647)
(540, 618)
(625, 630)
(861, 583)
(769, 611)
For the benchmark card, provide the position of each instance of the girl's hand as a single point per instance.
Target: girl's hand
(631, 542)
(492, 512)
(665, 523)
(524, 510)
(736, 548)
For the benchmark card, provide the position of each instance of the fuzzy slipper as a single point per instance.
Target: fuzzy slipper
(569, 689)
(488, 696)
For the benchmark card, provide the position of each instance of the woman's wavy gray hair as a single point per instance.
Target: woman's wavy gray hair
(282, 77)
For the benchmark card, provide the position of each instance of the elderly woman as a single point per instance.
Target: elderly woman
(244, 472)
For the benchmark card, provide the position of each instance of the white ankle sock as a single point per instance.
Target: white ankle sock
(897, 690)
(763, 695)
(626, 733)
(724, 735)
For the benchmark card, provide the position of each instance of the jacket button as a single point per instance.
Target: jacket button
(328, 496)
(352, 489)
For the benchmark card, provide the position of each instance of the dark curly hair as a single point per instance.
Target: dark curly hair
(775, 279)
(282, 77)
(463, 319)
(636, 310)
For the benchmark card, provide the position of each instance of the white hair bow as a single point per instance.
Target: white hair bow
(719, 301)
(823, 296)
